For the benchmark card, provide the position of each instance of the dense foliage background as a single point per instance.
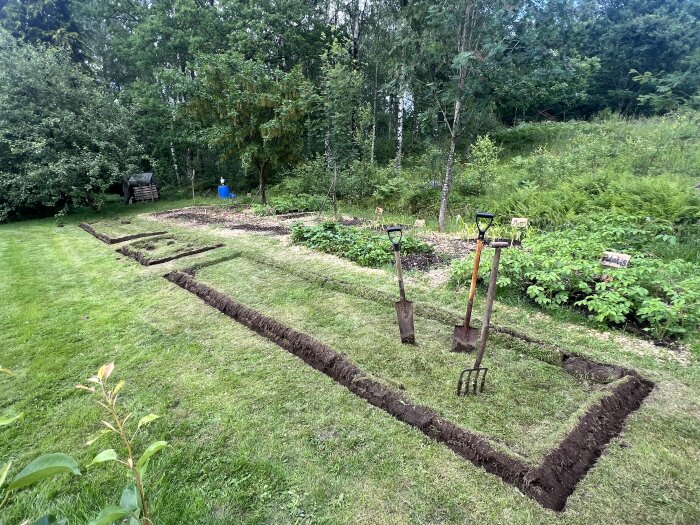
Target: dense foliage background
(339, 91)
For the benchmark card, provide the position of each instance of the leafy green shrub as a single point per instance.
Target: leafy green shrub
(365, 247)
(563, 268)
(64, 140)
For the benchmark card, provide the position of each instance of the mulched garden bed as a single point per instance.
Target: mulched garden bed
(550, 483)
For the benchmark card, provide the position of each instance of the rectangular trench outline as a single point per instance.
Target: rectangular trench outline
(116, 240)
(145, 261)
(550, 483)
(571, 363)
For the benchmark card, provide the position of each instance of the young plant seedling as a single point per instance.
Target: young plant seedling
(133, 503)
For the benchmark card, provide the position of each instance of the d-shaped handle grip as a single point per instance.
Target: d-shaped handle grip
(483, 215)
(393, 238)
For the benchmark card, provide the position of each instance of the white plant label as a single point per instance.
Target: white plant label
(615, 260)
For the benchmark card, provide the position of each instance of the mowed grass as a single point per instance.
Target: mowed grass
(528, 405)
(259, 437)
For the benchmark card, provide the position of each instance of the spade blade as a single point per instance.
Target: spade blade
(465, 338)
(404, 312)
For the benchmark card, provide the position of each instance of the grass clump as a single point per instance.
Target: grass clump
(364, 247)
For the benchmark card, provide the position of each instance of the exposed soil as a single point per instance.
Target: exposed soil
(452, 247)
(116, 240)
(295, 215)
(276, 230)
(421, 261)
(550, 483)
(147, 261)
(237, 219)
(565, 465)
(352, 221)
(600, 372)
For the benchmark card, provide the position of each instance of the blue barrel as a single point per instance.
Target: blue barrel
(223, 192)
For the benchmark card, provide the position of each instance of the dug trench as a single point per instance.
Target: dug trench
(147, 261)
(573, 364)
(116, 240)
(550, 483)
(552, 354)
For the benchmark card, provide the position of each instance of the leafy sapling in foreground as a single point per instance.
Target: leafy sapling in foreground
(133, 504)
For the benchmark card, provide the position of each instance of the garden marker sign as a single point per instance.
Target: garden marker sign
(518, 222)
(615, 260)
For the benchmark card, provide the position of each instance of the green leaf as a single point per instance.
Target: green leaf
(50, 520)
(43, 467)
(130, 497)
(4, 471)
(8, 420)
(152, 449)
(106, 455)
(111, 514)
(145, 420)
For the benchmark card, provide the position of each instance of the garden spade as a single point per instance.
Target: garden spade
(404, 308)
(476, 376)
(466, 337)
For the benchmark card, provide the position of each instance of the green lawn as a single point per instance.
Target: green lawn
(259, 437)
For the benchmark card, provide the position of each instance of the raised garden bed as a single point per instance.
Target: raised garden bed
(549, 481)
(114, 232)
(158, 250)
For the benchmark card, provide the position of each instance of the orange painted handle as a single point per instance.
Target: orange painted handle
(475, 271)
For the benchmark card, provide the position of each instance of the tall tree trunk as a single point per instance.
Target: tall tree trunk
(416, 121)
(467, 24)
(190, 171)
(172, 153)
(261, 180)
(327, 147)
(174, 157)
(374, 113)
(447, 183)
(399, 120)
(335, 193)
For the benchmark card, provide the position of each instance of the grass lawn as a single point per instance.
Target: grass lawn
(257, 436)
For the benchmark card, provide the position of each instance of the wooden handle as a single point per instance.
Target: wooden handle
(472, 287)
(486, 322)
(399, 274)
(475, 271)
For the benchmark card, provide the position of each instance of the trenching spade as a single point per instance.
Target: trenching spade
(466, 337)
(404, 308)
(478, 373)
